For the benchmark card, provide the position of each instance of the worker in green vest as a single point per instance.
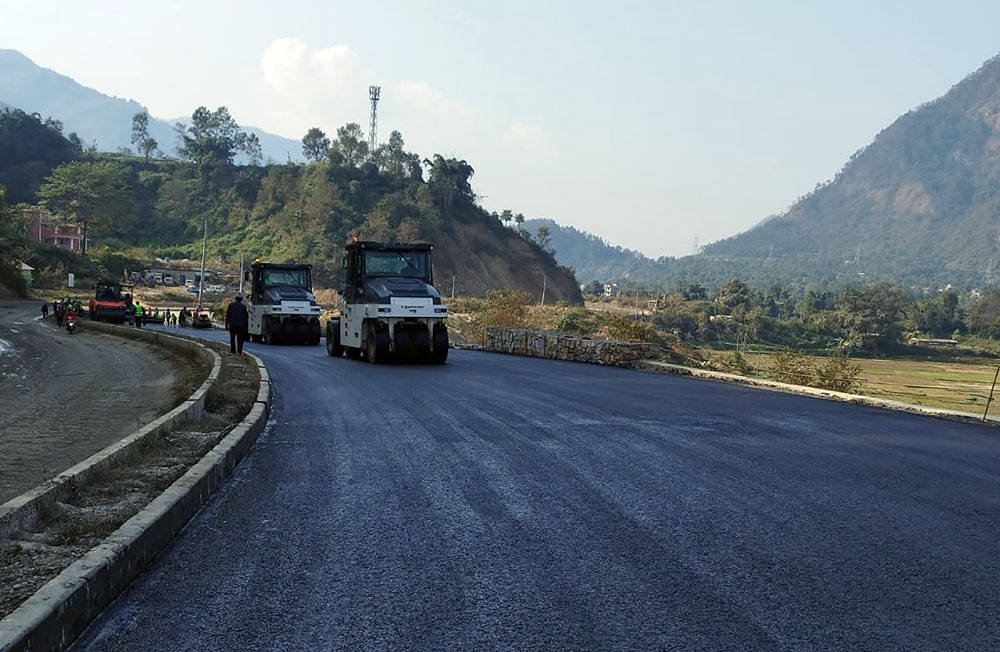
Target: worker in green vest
(138, 314)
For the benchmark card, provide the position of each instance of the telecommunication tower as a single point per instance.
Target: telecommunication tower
(373, 93)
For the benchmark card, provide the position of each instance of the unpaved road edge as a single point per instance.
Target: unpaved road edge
(58, 612)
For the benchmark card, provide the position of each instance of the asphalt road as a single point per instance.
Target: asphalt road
(505, 503)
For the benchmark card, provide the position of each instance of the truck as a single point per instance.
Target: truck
(281, 304)
(108, 303)
(389, 308)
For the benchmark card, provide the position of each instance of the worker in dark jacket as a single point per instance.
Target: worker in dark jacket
(237, 323)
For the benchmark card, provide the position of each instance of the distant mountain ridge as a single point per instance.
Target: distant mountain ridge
(98, 118)
(592, 257)
(918, 205)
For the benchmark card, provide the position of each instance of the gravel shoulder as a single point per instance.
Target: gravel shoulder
(65, 397)
(72, 527)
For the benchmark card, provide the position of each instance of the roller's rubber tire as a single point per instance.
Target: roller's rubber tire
(333, 345)
(377, 345)
(440, 353)
(403, 345)
(421, 345)
(271, 332)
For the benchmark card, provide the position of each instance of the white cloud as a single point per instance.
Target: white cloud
(424, 97)
(290, 67)
(311, 87)
(530, 138)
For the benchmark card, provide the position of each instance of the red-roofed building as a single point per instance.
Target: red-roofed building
(44, 228)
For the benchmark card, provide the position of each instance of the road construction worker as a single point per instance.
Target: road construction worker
(138, 314)
(237, 323)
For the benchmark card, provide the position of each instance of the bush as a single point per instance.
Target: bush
(793, 367)
(837, 373)
(623, 327)
(571, 321)
(506, 308)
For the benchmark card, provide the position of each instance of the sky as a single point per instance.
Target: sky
(651, 124)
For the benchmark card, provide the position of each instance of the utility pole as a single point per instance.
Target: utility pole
(373, 95)
(545, 281)
(201, 277)
(637, 302)
(452, 287)
(241, 272)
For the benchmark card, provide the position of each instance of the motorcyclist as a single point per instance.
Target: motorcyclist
(71, 317)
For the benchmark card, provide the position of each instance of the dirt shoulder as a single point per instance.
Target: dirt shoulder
(65, 397)
(29, 559)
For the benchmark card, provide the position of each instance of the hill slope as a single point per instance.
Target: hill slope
(592, 257)
(95, 117)
(918, 205)
(288, 212)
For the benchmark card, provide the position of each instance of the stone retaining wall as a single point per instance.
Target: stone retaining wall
(562, 346)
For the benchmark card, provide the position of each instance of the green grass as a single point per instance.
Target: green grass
(962, 383)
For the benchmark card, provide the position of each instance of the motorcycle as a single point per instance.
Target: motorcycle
(71, 321)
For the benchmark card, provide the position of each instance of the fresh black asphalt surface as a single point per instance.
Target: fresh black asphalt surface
(506, 503)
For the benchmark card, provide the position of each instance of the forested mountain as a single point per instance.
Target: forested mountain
(592, 257)
(919, 205)
(97, 118)
(137, 209)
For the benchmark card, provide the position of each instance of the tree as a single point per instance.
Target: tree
(449, 179)
(214, 138)
(351, 144)
(315, 145)
(544, 237)
(86, 193)
(506, 216)
(251, 147)
(144, 144)
(733, 296)
(519, 220)
(984, 317)
(12, 248)
(870, 315)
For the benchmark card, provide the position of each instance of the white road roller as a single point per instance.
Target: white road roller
(282, 307)
(389, 309)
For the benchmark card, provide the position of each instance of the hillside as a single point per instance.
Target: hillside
(289, 212)
(593, 258)
(95, 117)
(918, 205)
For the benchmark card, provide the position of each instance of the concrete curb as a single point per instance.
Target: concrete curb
(22, 511)
(858, 399)
(57, 613)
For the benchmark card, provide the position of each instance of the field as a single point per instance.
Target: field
(957, 384)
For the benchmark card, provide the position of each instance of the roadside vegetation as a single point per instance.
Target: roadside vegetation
(938, 349)
(137, 206)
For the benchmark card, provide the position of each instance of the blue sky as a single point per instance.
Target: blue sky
(648, 123)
